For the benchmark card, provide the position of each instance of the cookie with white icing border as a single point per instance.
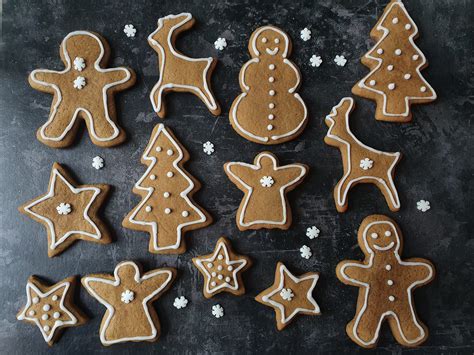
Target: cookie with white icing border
(386, 284)
(69, 211)
(83, 90)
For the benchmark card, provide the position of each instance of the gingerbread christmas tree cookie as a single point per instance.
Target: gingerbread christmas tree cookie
(127, 295)
(69, 211)
(51, 307)
(167, 210)
(222, 270)
(83, 90)
(395, 81)
(265, 184)
(290, 295)
(386, 284)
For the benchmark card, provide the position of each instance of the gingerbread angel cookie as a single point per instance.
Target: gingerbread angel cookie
(69, 211)
(167, 210)
(83, 90)
(362, 164)
(395, 81)
(265, 184)
(222, 270)
(386, 283)
(178, 72)
(51, 307)
(269, 110)
(127, 295)
(290, 295)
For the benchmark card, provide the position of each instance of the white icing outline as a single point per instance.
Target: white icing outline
(79, 109)
(150, 191)
(385, 30)
(367, 287)
(57, 323)
(394, 199)
(258, 166)
(157, 107)
(54, 243)
(271, 28)
(111, 309)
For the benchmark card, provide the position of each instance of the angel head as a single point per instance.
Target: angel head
(269, 40)
(379, 234)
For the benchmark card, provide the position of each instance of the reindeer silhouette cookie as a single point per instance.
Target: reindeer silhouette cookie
(177, 71)
(362, 164)
(386, 283)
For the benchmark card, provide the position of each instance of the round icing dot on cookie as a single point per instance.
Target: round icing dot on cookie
(415, 57)
(398, 51)
(220, 257)
(269, 127)
(391, 86)
(271, 79)
(209, 265)
(31, 313)
(407, 76)
(170, 174)
(185, 213)
(271, 67)
(166, 194)
(167, 210)
(374, 235)
(391, 298)
(148, 209)
(395, 20)
(56, 315)
(423, 89)
(380, 51)
(219, 268)
(35, 300)
(213, 274)
(220, 277)
(388, 267)
(390, 67)
(407, 26)
(372, 82)
(230, 268)
(45, 317)
(271, 105)
(271, 117)
(388, 233)
(169, 152)
(213, 283)
(264, 40)
(46, 307)
(158, 149)
(227, 279)
(271, 93)
(46, 328)
(390, 282)
(276, 40)
(152, 177)
(55, 298)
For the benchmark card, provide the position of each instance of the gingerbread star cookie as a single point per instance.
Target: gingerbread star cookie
(290, 295)
(178, 72)
(51, 308)
(127, 295)
(386, 284)
(265, 184)
(69, 211)
(222, 270)
(361, 163)
(83, 90)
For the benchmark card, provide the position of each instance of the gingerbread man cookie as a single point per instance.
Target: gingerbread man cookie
(85, 90)
(128, 295)
(265, 184)
(269, 110)
(362, 164)
(178, 72)
(222, 270)
(386, 283)
(395, 81)
(167, 209)
(69, 211)
(51, 308)
(290, 295)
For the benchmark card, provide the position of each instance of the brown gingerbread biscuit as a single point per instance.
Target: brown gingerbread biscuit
(83, 90)
(386, 284)
(69, 211)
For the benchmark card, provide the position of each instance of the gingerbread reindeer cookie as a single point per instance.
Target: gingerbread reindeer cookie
(362, 164)
(269, 110)
(386, 284)
(83, 90)
(178, 72)
(395, 81)
(265, 184)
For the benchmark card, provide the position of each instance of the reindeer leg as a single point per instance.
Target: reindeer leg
(340, 192)
(157, 99)
(205, 93)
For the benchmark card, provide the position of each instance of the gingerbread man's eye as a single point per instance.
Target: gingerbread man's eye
(264, 40)
(388, 233)
(277, 40)
(374, 235)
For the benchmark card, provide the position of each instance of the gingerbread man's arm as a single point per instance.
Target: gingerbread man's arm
(418, 270)
(353, 272)
(44, 79)
(122, 76)
(236, 172)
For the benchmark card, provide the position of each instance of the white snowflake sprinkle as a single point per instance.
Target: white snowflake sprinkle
(217, 311)
(208, 148)
(312, 232)
(423, 205)
(287, 294)
(267, 181)
(366, 164)
(79, 64)
(127, 296)
(220, 43)
(305, 34)
(305, 252)
(79, 82)
(98, 162)
(63, 208)
(130, 30)
(315, 61)
(180, 302)
(340, 60)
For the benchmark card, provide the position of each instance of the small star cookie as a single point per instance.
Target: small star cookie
(222, 270)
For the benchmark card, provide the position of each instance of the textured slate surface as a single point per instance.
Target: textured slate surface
(437, 166)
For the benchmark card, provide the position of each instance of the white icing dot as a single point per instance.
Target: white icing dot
(398, 51)
(388, 267)
(271, 117)
(46, 328)
(390, 282)
(264, 40)
(391, 86)
(31, 313)
(415, 57)
(276, 40)
(227, 279)
(388, 233)
(55, 298)
(185, 213)
(269, 127)
(271, 67)
(219, 268)
(56, 315)
(271, 93)
(407, 26)
(220, 277)
(209, 265)
(213, 283)
(372, 82)
(158, 149)
(46, 307)
(152, 177)
(169, 152)
(167, 210)
(374, 235)
(395, 20)
(271, 105)
(35, 300)
(148, 209)
(220, 257)
(391, 298)
(407, 76)
(271, 79)
(213, 274)
(423, 89)
(380, 51)
(390, 67)
(230, 268)
(170, 174)
(45, 317)
(166, 194)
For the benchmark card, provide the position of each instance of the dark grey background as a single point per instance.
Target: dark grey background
(437, 166)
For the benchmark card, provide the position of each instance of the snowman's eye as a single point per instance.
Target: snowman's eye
(277, 40)
(374, 235)
(388, 233)
(264, 40)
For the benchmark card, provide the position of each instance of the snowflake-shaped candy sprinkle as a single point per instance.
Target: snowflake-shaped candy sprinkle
(127, 296)
(98, 162)
(220, 43)
(305, 252)
(305, 34)
(287, 294)
(180, 302)
(267, 181)
(217, 311)
(312, 232)
(366, 164)
(315, 61)
(423, 205)
(340, 60)
(79, 82)
(130, 30)
(208, 148)
(79, 64)
(63, 208)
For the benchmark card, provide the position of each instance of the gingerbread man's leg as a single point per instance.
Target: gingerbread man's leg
(60, 122)
(101, 127)
(363, 329)
(406, 328)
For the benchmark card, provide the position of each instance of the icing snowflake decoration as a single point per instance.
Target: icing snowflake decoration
(340, 60)
(180, 302)
(79, 64)
(305, 34)
(127, 296)
(130, 30)
(315, 61)
(423, 205)
(208, 148)
(217, 311)
(312, 232)
(220, 43)
(98, 162)
(305, 252)
(267, 181)
(366, 164)
(287, 294)
(63, 208)
(79, 82)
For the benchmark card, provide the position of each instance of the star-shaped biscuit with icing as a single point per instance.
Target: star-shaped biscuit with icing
(69, 211)
(222, 270)
(290, 295)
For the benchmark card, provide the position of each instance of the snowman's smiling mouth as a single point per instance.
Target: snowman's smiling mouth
(388, 247)
(272, 51)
